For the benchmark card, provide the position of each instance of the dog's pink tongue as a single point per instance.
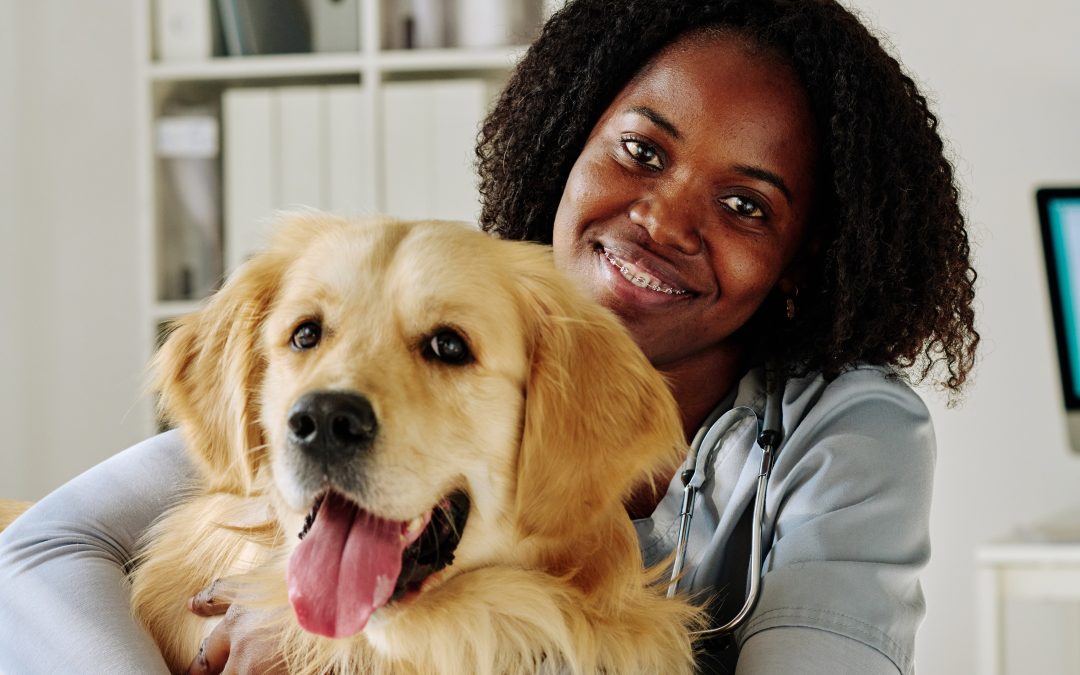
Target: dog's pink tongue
(344, 569)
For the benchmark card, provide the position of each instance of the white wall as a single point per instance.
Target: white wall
(75, 334)
(10, 288)
(1005, 79)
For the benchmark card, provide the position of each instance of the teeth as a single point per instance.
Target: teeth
(639, 278)
(412, 529)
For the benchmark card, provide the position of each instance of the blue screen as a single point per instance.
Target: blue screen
(1063, 215)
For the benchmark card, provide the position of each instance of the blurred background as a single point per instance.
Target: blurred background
(115, 115)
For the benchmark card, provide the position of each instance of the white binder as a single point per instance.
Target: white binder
(250, 160)
(431, 130)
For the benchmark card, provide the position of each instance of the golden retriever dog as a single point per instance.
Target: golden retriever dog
(416, 441)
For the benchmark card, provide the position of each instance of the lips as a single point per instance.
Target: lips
(639, 275)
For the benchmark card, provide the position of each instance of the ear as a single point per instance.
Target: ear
(599, 419)
(209, 370)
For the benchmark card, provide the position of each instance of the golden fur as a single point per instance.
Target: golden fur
(10, 510)
(558, 419)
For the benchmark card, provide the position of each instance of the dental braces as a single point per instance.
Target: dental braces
(640, 281)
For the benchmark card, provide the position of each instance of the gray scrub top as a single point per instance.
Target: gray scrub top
(846, 523)
(846, 516)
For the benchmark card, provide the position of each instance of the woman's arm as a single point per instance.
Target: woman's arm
(848, 510)
(815, 651)
(64, 597)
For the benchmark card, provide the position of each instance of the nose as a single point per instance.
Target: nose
(332, 426)
(669, 221)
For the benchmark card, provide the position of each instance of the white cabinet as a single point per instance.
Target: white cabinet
(1038, 562)
(226, 140)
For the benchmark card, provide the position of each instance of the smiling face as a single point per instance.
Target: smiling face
(689, 202)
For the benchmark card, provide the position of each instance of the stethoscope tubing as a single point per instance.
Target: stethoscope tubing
(768, 439)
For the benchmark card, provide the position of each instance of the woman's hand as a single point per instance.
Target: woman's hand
(240, 643)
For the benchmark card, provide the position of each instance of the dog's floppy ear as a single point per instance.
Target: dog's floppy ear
(209, 369)
(599, 419)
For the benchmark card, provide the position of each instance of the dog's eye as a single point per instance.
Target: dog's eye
(306, 336)
(449, 347)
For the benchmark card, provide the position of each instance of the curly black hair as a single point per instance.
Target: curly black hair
(892, 281)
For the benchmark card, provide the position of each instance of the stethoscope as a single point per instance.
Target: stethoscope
(768, 440)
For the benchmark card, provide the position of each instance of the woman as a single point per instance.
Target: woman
(741, 182)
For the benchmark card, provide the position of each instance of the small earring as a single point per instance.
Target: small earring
(789, 304)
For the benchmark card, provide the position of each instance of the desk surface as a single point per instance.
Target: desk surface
(1030, 552)
(1055, 540)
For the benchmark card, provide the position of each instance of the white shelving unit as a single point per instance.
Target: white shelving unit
(370, 67)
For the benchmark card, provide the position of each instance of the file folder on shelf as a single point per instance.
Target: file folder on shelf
(291, 148)
(250, 158)
(428, 157)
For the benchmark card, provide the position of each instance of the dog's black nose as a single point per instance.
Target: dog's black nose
(332, 425)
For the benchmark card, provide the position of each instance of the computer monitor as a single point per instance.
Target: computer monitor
(1059, 218)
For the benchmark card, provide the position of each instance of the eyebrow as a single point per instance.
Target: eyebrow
(766, 176)
(657, 119)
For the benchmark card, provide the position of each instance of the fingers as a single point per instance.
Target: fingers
(240, 644)
(214, 600)
(213, 653)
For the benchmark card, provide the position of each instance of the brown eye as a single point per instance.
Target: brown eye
(449, 347)
(643, 153)
(306, 336)
(743, 206)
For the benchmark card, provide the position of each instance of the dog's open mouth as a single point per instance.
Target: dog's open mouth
(351, 562)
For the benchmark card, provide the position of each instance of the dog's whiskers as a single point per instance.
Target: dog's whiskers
(450, 520)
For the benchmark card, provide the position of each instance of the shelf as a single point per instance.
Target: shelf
(314, 65)
(269, 66)
(426, 60)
